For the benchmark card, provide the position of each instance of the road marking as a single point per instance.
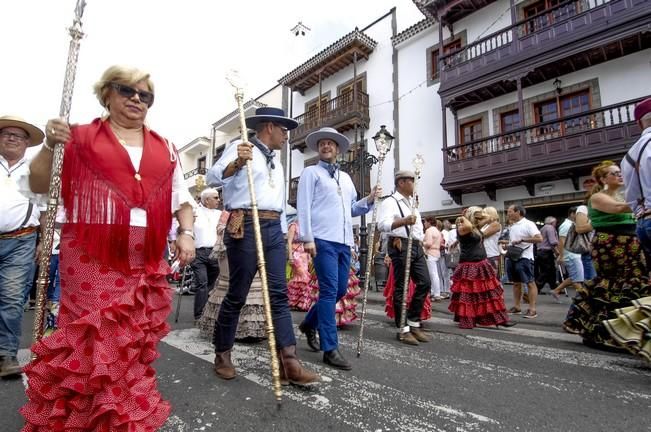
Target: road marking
(556, 336)
(349, 399)
(616, 363)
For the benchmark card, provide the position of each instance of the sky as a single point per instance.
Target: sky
(188, 47)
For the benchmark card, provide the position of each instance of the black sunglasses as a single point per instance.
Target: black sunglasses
(125, 91)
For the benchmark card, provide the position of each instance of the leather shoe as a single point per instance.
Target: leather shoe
(509, 323)
(419, 334)
(223, 366)
(9, 367)
(310, 335)
(407, 338)
(335, 359)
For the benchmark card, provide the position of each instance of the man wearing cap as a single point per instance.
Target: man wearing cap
(636, 171)
(204, 269)
(19, 221)
(397, 220)
(326, 203)
(271, 126)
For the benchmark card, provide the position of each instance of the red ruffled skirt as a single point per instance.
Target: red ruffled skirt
(477, 295)
(94, 373)
(390, 286)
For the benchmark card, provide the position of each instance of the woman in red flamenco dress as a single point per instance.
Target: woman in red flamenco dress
(94, 373)
(477, 295)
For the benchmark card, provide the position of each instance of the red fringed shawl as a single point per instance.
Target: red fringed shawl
(100, 187)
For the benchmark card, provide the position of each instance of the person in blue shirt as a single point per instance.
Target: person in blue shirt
(326, 203)
(271, 127)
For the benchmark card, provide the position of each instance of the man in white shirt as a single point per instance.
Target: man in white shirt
(19, 222)
(636, 171)
(523, 234)
(204, 269)
(397, 220)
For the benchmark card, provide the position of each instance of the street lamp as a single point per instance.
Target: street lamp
(383, 140)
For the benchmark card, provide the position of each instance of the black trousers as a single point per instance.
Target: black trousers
(205, 272)
(418, 273)
(545, 266)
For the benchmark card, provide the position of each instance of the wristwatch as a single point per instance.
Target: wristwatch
(187, 232)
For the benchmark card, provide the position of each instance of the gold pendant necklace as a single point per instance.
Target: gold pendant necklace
(123, 142)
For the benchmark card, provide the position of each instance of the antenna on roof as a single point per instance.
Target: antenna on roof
(300, 29)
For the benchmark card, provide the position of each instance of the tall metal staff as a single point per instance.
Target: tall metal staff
(55, 178)
(271, 337)
(383, 144)
(418, 166)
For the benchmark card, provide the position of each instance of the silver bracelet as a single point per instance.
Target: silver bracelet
(46, 146)
(188, 233)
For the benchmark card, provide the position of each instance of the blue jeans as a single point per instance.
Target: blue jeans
(332, 265)
(54, 287)
(243, 265)
(589, 272)
(16, 271)
(644, 234)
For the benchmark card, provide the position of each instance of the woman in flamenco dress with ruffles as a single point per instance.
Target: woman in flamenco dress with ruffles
(298, 291)
(94, 372)
(477, 295)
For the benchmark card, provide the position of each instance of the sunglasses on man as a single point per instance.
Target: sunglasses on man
(125, 91)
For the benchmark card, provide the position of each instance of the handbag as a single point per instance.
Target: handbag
(514, 253)
(452, 258)
(577, 243)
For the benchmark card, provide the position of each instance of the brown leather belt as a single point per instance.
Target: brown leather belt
(18, 233)
(263, 214)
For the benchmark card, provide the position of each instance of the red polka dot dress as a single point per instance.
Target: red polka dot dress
(94, 373)
(477, 295)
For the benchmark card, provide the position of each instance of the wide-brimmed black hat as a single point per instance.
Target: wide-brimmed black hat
(270, 115)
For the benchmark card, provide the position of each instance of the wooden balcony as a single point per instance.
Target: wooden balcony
(568, 37)
(567, 147)
(194, 172)
(341, 113)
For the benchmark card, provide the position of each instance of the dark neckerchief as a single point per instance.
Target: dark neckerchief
(331, 168)
(268, 154)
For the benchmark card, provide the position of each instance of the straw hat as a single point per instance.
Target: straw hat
(36, 135)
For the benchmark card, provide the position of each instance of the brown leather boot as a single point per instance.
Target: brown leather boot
(223, 366)
(293, 370)
(283, 377)
(419, 334)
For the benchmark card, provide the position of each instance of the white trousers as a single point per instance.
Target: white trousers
(433, 268)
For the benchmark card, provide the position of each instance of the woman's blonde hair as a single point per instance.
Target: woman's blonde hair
(491, 212)
(121, 75)
(470, 214)
(598, 173)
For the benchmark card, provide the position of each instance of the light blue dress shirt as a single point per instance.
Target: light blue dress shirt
(631, 184)
(323, 212)
(269, 183)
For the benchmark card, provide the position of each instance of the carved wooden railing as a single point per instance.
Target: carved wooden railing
(330, 112)
(194, 172)
(604, 117)
(504, 37)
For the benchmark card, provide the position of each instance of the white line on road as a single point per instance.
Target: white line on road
(346, 398)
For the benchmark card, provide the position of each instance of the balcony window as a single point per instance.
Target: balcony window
(564, 106)
(201, 164)
(544, 13)
(469, 132)
(509, 121)
(448, 48)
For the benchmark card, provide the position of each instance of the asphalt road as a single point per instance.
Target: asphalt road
(532, 377)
